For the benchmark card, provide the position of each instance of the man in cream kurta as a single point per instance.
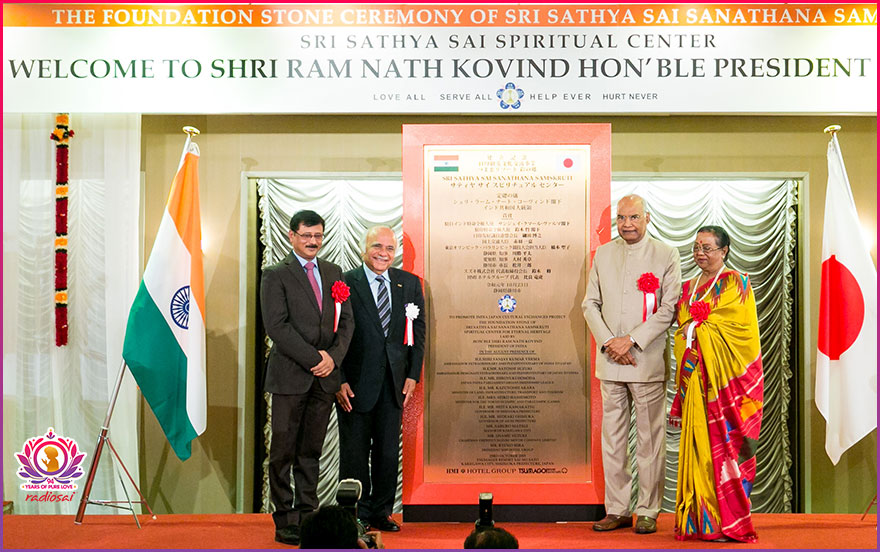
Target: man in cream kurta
(631, 364)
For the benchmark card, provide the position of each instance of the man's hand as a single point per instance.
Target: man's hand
(343, 395)
(618, 349)
(377, 539)
(323, 368)
(409, 387)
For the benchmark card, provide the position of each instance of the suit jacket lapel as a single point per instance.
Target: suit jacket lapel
(365, 295)
(326, 288)
(398, 309)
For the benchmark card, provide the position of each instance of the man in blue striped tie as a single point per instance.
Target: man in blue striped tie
(379, 374)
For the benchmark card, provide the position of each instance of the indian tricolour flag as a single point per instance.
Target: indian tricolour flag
(165, 337)
(446, 163)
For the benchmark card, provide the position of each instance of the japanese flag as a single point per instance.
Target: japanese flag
(846, 360)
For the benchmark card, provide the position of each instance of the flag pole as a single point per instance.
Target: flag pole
(96, 457)
(831, 129)
(190, 132)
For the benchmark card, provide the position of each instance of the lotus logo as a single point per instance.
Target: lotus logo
(510, 96)
(49, 461)
(507, 303)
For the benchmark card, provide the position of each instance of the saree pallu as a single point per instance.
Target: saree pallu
(719, 400)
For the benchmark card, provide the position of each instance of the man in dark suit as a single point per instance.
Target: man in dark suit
(302, 373)
(379, 374)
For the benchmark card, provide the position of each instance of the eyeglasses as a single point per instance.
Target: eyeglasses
(705, 249)
(308, 237)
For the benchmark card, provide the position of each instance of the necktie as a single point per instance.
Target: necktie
(383, 303)
(310, 272)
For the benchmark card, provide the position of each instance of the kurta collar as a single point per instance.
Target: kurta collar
(639, 245)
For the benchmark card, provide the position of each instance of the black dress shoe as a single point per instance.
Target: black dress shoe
(288, 535)
(385, 524)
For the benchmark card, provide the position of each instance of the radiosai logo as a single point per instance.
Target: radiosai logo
(49, 464)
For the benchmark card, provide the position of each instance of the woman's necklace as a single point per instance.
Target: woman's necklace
(708, 289)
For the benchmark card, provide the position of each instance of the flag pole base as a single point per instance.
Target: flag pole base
(127, 504)
(103, 438)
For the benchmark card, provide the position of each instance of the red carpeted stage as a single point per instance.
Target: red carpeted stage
(256, 531)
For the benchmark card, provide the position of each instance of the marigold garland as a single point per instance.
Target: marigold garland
(61, 135)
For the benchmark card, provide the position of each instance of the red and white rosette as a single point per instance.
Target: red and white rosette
(648, 284)
(412, 312)
(699, 312)
(340, 292)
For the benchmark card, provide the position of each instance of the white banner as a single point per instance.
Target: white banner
(445, 58)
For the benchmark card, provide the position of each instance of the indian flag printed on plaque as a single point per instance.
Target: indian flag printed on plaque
(446, 163)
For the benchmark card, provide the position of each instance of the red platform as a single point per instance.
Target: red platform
(256, 531)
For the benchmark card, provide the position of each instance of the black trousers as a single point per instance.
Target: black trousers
(299, 424)
(369, 451)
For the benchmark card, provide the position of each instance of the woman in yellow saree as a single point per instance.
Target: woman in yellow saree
(719, 397)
